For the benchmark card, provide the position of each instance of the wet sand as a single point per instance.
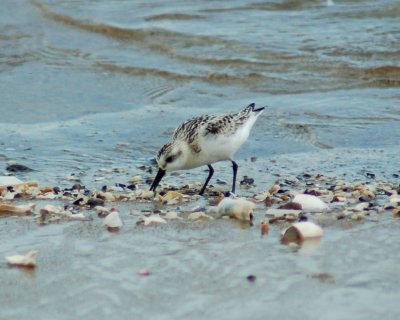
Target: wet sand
(200, 269)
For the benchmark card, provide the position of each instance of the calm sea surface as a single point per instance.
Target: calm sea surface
(88, 84)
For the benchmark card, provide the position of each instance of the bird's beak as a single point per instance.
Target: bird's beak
(157, 179)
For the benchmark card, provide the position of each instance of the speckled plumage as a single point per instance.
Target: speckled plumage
(206, 139)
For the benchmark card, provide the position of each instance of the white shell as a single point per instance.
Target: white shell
(240, 209)
(101, 211)
(172, 215)
(50, 209)
(113, 220)
(395, 199)
(21, 209)
(199, 216)
(153, 219)
(301, 231)
(310, 203)
(361, 206)
(27, 260)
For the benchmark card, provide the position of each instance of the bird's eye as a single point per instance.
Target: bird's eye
(169, 159)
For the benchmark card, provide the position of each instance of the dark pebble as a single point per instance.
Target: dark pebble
(131, 187)
(370, 175)
(77, 186)
(247, 181)
(10, 189)
(120, 185)
(395, 175)
(251, 278)
(18, 168)
(56, 190)
(291, 206)
(221, 182)
(104, 188)
(77, 202)
(303, 218)
(93, 202)
(312, 192)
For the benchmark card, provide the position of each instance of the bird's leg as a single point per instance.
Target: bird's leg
(210, 174)
(235, 168)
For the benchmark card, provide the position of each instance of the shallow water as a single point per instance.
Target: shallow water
(92, 86)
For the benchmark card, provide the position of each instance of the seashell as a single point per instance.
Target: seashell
(238, 208)
(199, 216)
(102, 212)
(300, 231)
(144, 272)
(152, 220)
(145, 194)
(274, 189)
(135, 212)
(337, 198)
(172, 195)
(113, 222)
(260, 197)
(394, 199)
(361, 206)
(9, 196)
(50, 209)
(264, 226)
(357, 217)
(269, 201)
(172, 215)
(135, 179)
(16, 209)
(107, 196)
(28, 260)
(47, 196)
(46, 189)
(217, 200)
(310, 203)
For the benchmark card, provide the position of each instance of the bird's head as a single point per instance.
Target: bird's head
(171, 157)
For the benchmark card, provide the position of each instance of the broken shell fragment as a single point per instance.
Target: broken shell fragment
(16, 209)
(102, 212)
(238, 208)
(310, 203)
(199, 216)
(152, 220)
(113, 222)
(172, 215)
(28, 260)
(274, 189)
(264, 226)
(300, 231)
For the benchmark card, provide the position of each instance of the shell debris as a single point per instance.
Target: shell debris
(264, 227)
(199, 216)
(301, 231)
(310, 203)
(113, 221)
(27, 261)
(237, 208)
(152, 220)
(16, 209)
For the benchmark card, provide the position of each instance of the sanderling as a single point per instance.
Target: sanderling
(204, 140)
